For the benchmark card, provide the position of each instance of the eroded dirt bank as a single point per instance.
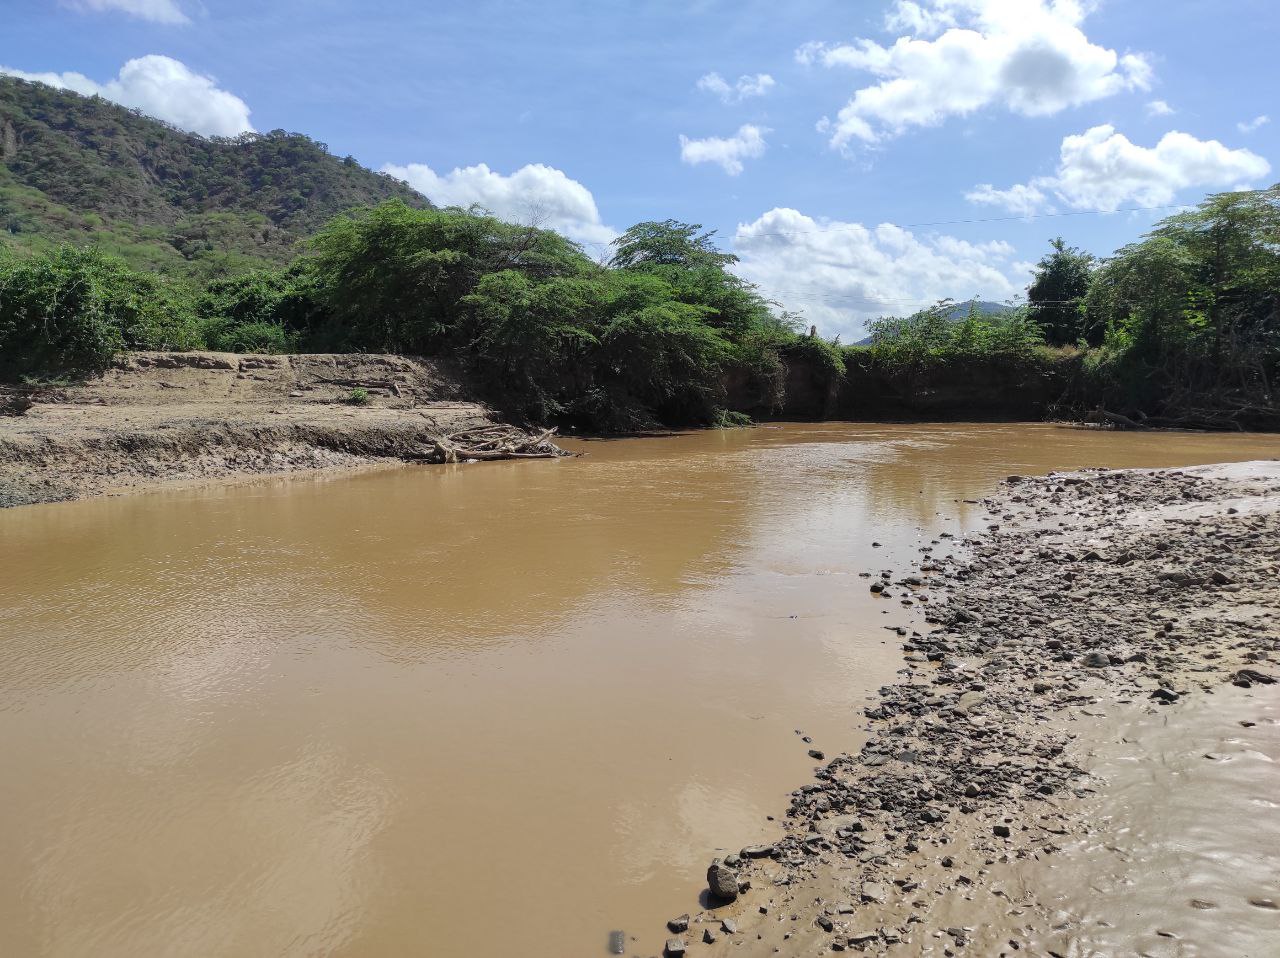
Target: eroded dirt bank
(1080, 757)
(163, 418)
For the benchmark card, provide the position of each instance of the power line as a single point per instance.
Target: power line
(989, 219)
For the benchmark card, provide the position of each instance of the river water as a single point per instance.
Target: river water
(496, 709)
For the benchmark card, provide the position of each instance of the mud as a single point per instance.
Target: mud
(166, 419)
(1079, 758)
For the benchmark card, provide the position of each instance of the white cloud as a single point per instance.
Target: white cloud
(1251, 125)
(843, 274)
(1029, 56)
(1102, 169)
(1022, 198)
(729, 152)
(918, 20)
(1159, 108)
(157, 11)
(536, 194)
(164, 88)
(747, 86)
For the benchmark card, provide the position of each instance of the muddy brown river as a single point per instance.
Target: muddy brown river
(496, 709)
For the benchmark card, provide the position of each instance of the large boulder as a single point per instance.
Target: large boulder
(723, 881)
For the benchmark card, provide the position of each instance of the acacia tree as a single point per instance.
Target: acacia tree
(1057, 293)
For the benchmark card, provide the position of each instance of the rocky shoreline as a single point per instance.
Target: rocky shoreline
(1094, 601)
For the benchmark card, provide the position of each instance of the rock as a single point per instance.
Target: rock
(617, 943)
(675, 946)
(709, 936)
(874, 892)
(679, 925)
(1097, 660)
(825, 923)
(757, 851)
(1165, 696)
(863, 937)
(1253, 677)
(730, 926)
(817, 753)
(1000, 831)
(722, 881)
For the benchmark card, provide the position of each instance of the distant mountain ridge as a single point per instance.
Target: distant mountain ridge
(81, 169)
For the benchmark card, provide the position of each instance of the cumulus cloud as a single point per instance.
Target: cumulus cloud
(157, 11)
(1029, 56)
(164, 88)
(1102, 169)
(1250, 125)
(728, 152)
(745, 88)
(1159, 108)
(842, 274)
(535, 194)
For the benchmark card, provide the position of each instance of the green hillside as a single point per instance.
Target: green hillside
(81, 169)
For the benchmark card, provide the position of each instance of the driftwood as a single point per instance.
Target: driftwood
(490, 443)
(1114, 419)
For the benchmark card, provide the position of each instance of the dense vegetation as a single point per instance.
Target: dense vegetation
(1182, 327)
(78, 170)
(547, 332)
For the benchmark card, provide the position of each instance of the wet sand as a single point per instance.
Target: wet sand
(1080, 755)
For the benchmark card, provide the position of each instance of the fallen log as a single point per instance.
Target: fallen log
(490, 444)
(1115, 419)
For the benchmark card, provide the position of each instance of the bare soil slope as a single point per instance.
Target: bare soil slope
(183, 417)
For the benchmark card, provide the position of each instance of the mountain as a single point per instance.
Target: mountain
(81, 169)
(959, 311)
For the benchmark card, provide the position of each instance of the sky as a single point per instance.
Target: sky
(862, 158)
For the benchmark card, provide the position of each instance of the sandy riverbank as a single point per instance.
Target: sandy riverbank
(163, 419)
(1080, 756)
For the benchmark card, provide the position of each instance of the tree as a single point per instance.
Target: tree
(1057, 293)
(653, 245)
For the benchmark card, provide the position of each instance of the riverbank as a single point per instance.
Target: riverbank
(1079, 757)
(164, 419)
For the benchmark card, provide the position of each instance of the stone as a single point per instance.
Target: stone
(1165, 696)
(709, 936)
(874, 892)
(730, 926)
(817, 753)
(1000, 831)
(825, 923)
(722, 881)
(675, 947)
(678, 925)
(1097, 660)
(757, 851)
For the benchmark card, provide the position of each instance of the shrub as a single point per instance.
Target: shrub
(70, 310)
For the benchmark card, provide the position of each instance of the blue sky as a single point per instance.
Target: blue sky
(816, 137)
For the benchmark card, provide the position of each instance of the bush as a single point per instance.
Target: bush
(357, 397)
(70, 310)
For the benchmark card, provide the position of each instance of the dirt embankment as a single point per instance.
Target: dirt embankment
(1079, 759)
(164, 418)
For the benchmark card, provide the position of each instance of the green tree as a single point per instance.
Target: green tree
(1056, 295)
